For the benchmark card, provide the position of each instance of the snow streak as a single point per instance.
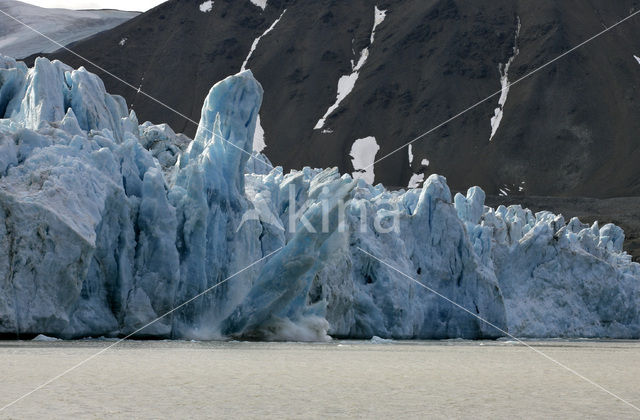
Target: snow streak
(348, 82)
(504, 81)
(258, 139)
(257, 40)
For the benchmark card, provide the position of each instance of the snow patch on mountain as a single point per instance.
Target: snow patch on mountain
(378, 18)
(417, 178)
(521, 186)
(260, 3)
(347, 82)
(363, 155)
(259, 143)
(207, 6)
(504, 82)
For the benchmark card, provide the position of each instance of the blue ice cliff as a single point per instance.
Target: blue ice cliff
(106, 224)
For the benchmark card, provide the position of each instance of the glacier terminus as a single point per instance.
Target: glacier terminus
(106, 224)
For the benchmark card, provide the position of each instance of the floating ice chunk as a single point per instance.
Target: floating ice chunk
(377, 340)
(42, 337)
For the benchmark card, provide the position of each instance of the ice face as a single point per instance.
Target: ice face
(106, 224)
(558, 279)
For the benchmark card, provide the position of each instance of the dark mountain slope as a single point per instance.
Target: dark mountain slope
(570, 130)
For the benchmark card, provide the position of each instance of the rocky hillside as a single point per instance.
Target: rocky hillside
(389, 70)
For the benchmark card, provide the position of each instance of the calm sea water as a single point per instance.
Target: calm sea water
(346, 379)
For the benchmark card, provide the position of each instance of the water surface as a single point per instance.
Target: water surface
(170, 379)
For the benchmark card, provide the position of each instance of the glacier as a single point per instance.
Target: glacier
(107, 224)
